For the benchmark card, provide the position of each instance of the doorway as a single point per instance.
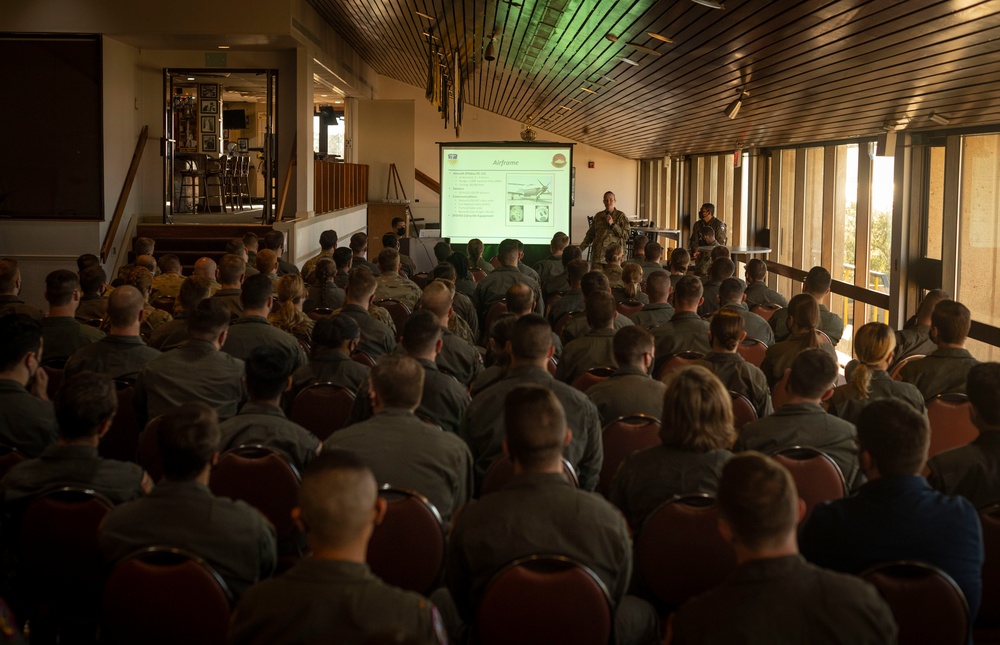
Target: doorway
(220, 146)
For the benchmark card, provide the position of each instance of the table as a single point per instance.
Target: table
(672, 233)
(748, 251)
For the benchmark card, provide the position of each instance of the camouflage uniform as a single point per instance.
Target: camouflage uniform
(167, 284)
(310, 265)
(393, 285)
(601, 235)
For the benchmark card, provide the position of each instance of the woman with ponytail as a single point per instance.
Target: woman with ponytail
(288, 314)
(874, 345)
(803, 321)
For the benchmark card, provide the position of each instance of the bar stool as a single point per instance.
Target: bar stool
(243, 179)
(189, 185)
(229, 180)
(214, 178)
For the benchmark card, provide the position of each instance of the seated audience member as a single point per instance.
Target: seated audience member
(171, 334)
(377, 338)
(726, 333)
(267, 264)
(803, 319)
(475, 249)
(252, 244)
(253, 329)
(62, 333)
(458, 356)
(122, 353)
(897, 515)
(482, 426)
(774, 591)
(553, 265)
(696, 434)
(406, 263)
(613, 265)
(464, 284)
(182, 512)
(287, 315)
(332, 595)
(873, 345)
(390, 284)
(195, 371)
(93, 304)
(140, 246)
(558, 282)
(802, 421)
(591, 282)
(402, 450)
(442, 250)
(720, 269)
(971, 470)
(85, 407)
(261, 419)
(142, 279)
(657, 311)
(327, 244)
(206, 268)
(732, 296)
(592, 349)
(685, 331)
(238, 248)
(524, 268)
(639, 242)
(494, 286)
(944, 370)
(231, 274)
(703, 258)
(444, 399)
(498, 356)
(168, 283)
(572, 297)
(464, 322)
(324, 292)
(27, 419)
(915, 337)
(632, 284)
(678, 264)
(275, 241)
(521, 302)
(87, 260)
(539, 511)
(334, 340)
(757, 291)
(359, 250)
(344, 259)
(652, 257)
(630, 390)
(817, 284)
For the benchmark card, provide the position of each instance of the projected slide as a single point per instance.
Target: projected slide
(494, 191)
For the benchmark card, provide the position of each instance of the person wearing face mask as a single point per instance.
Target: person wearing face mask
(27, 418)
(610, 227)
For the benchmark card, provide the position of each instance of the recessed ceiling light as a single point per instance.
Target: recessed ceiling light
(607, 78)
(657, 36)
(424, 15)
(190, 78)
(629, 61)
(323, 95)
(587, 89)
(643, 48)
(576, 100)
(613, 38)
(711, 4)
(338, 102)
(563, 107)
(431, 36)
(223, 46)
(940, 119)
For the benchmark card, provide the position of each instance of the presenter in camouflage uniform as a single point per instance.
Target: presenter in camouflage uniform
(610, 227)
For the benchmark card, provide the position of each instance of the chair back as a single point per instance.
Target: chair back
(545, 599)
(397, 310)
(620, 438)
(929, 607)
(164, 303)
(122, 439)
(989, 609)
(497, 308)
(477, 274)
(565, 320)
(363, 357)
(779, 395)
(495, 262)
(628, 307)
(421, 279)
(148, 451)
(743, 410)
(407, 549)
(593, 376)
(551, 299)
(319, 313)
(678, 361)
(163, 596)
(262, 478)
(9, 457)
(322, 408)
(817, 477)
(501, 472)
(951, 422)
(766, 311)
(552, 366)
(894, 371)
(55, 369)
(752, 350)
(679, 553)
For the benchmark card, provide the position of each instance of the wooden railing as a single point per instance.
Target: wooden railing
(339, 185)
(116, 218)
(427, 180)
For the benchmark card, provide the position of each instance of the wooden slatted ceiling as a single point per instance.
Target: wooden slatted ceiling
(816, 70)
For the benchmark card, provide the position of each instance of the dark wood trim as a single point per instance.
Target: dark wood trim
(427, 180)
(856, 293)
(985, 333)
(116, 218)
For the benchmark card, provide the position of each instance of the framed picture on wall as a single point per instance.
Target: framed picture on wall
(209, 107)
(208, 91)
(209, 143)
(243, 144)
(208, 124)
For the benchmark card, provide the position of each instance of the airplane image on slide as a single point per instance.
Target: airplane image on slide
(528, 192)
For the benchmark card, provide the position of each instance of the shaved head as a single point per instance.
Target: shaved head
(337, 498)
(204, 268)
(437, 298)
(124, 305)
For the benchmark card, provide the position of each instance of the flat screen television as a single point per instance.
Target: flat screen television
(234, 119)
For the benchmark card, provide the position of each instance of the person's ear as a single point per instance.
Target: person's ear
(801, 511)
(242, 277)
(215, 458)
(743, 336)
(381, 506)
(568, 437)
(865, 461)
(743, 298)
(552, 351)
(105, 425)
(701, 301)
(438, 346)
(243, 381)
(299, 520)
(826, 395)
(270, 302)
(725, 532)
(288, 385)
(223, 335)
(142, 315)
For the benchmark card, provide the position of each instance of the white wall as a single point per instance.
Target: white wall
(611, 172)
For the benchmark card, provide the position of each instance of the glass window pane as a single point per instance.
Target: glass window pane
(785, 235)
(933, 241)
(979, 228)
(880, 234)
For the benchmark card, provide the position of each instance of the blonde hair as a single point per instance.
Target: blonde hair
(697, 411)
(873, 343)
(632, 277)
(288, 316)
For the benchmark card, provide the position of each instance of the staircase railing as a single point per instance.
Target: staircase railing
(116, 218)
